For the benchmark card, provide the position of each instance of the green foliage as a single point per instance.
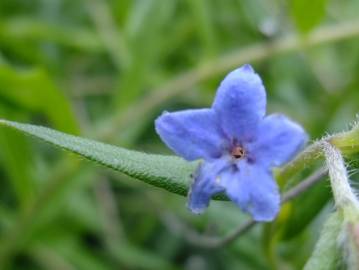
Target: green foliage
(17, 159)
(305, 209)
(26, 29)
(33, 90)
(104, 70)
(308, 13)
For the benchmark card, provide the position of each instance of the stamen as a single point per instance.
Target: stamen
(238, 152)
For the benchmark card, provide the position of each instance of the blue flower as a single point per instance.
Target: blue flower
(238, 144)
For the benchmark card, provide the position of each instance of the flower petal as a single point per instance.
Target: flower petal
(254, 190)
(240, 102)
(192, 134)
(205, 185)
(279, 140)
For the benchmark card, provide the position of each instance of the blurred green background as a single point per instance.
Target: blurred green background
(104, 70)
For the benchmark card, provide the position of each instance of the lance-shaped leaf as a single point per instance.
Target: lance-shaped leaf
(168, 172)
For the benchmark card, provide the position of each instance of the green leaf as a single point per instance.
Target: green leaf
(308, 13)
(304, 209)
(146, 24)
(326, 253)
(16, 162)
(34, 90)
(168, 172)
(30, 29)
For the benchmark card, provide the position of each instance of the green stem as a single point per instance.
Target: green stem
(305, 158)
(347, 142)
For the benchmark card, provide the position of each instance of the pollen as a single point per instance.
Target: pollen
(238, 152)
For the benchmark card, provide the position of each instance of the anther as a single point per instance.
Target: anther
(238, 152)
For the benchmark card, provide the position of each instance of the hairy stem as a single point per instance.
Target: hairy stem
(343, 194)
(347, 206)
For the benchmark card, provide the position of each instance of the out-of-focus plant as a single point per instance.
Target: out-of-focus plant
(175, 175)
(105, 69)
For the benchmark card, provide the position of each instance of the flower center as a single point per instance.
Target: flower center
(238, 152)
